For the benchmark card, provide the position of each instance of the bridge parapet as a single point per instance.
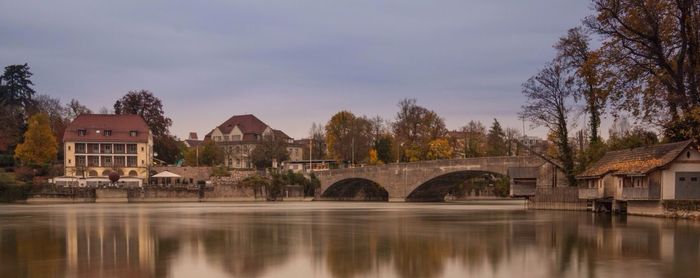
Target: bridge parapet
(400, 179)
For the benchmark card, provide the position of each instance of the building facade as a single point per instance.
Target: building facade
(96, 145)
(646, 174)
(240, 134)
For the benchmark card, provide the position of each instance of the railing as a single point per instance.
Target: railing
(590, 193)
(641, 193)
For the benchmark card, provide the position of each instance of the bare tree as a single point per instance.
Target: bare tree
(548, 95)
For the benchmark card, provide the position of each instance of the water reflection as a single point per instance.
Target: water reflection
(339, 240)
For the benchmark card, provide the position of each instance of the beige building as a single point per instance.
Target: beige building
(646, 174)
(240, 134)
(96, 145)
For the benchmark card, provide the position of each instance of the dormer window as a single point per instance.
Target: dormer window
(107, 133)
(82, 132)
(133, 133)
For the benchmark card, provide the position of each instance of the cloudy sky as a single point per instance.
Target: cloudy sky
(289, 62)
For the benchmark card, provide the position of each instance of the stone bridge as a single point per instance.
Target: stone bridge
(421, 181)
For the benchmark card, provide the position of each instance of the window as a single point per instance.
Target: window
(687, 154)
(131, 148)
(119, 161)
(93, 161)
(69, 147)
(119, 148)
(133, 133)
(79, 148)
(142, 149)
(681, 179)
(217, 138)
(225, 137)
(236, 138)
(82, 132)
(79, 161)
(131, 161)
(108, 133)
(107, 161)
(93, 148)
(69, 161)
(694, 179)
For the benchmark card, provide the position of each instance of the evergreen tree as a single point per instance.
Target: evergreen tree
(496, 143)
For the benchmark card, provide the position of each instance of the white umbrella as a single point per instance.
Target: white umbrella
(166, 174)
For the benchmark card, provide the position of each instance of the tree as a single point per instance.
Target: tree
(548, 95)
(637, 137)
(415, 127)
(39, 146)
(576, 56)
(475, 141)
(496, 143)
(348, 137)
(653, 47)
(12, 120)
(439, 149)
(209, 154)
(374, 157)
(17, 86)
(75, 109)
(512, 136)
(318, 142)
(148, 106)
(268, 150)
(384, 147)
(168, 148)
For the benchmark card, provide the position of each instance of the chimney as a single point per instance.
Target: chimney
(193, 136)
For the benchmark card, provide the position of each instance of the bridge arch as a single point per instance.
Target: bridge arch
(355, 189)
(436, 188)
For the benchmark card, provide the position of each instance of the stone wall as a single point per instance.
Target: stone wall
(187, 173)
(233, 192)
(160, 194)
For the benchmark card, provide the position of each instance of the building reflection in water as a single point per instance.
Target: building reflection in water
(147, 241)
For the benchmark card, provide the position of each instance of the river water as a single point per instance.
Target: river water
(325, 239)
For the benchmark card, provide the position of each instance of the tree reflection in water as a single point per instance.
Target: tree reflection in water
(340, 240)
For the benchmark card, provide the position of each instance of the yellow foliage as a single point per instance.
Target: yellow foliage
(39, 144)
(439, 149)
(374, 157)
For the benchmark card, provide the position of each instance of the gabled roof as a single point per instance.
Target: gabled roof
(637, 161)
(248, 124)
(280, 135)
(120, 126)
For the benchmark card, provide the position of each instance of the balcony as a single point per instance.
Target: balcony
(590, 193)
(641, 193)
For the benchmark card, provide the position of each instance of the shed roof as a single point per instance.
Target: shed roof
(636, 161)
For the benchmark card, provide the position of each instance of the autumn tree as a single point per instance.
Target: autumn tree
(270, 149)
(548, 95)
(496, 143)
(348, 137)
(415, 127)
(148, 106)
(39, 146)
(575, 55)
(439, 149)
(636, 137)
(653, 47)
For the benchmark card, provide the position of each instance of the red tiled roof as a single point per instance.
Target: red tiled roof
(248, 124)
(120, 125)
(637, 161)
(281, 135)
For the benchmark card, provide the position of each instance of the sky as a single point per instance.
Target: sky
(293, 62)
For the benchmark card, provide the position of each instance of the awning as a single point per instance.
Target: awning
(166, 174)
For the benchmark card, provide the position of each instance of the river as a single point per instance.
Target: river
(339, 239)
